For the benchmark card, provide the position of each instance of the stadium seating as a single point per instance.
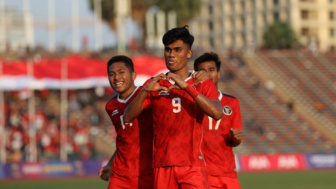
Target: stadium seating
(89, 127)
(272, 125)
(274, 122)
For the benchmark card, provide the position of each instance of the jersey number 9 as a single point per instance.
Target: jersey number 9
(176, 102)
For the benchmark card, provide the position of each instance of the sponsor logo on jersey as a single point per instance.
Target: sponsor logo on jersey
(115, 112)
(163, 92)
(227, 110)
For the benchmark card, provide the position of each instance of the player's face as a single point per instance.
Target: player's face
(120, 77)
(176, 56)
(211, 69)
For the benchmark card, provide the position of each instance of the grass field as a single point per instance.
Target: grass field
(289, 180)
(265, 180)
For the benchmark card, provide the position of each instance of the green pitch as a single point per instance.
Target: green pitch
(269, 180)
(289, 180)
(67, 183)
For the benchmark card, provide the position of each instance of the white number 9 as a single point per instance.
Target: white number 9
(177, 105)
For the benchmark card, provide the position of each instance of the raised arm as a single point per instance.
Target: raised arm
(134, 109)
(211, 107)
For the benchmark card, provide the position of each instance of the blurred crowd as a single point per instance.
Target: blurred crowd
(86, 114)
(86, 109)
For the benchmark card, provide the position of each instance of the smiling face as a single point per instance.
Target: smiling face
(121, 78)
(176, 56)
(211, 69)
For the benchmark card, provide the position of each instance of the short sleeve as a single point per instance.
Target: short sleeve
(237, 122)
(208, 89)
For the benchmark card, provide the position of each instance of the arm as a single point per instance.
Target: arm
(199, 77)
(134, 109)
(106, 171)
(211, 107)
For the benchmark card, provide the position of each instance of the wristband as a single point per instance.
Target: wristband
(192, 91)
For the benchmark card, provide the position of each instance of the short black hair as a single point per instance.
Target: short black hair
(211, 56)
(179, 33)
(121, 58)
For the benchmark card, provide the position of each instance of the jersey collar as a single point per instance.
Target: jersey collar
(189, 77)
(124, 101)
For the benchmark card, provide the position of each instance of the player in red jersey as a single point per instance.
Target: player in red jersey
(131, 165)
(178, 105)
(220, 136)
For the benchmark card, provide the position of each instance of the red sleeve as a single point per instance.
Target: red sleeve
(237, 122)
(208, 89)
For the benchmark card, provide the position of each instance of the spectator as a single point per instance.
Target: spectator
(86, 110)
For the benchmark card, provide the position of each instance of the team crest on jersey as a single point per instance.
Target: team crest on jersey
(227, 110)
(115, 112)
(163, 92)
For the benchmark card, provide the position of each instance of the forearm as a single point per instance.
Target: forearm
(211, 107)
(134, 109)
(112, 158)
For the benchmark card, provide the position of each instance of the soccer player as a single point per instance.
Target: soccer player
(131, 164)
(178, 106)
(220, 136)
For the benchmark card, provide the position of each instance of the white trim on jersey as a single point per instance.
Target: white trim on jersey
(200, 147)
(125, 101)
(189, 77)
(220, 95)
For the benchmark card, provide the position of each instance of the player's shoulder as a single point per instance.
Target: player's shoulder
(229, 96)
(147, 81)
(229, 99)
(110, 103)
(207, 81)
(204, 83)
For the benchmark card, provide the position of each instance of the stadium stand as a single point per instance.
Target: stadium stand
(89, 128)
(273, 123)
(287, 99)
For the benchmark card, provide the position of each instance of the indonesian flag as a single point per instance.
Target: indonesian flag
(81, 73)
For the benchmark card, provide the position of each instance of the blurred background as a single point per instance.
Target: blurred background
(278, 58)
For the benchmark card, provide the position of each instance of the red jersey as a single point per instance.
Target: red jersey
(134, 140)
(218, 152)
(177, 124)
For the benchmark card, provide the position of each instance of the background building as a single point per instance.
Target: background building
(239, 24)
(17, 29)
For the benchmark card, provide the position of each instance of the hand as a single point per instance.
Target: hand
(179, 82)
(105, 172)
(154, 85)
(200, 76)
(236, 136)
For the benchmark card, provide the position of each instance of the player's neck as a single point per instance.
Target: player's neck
(127, 93)
(183, 73)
